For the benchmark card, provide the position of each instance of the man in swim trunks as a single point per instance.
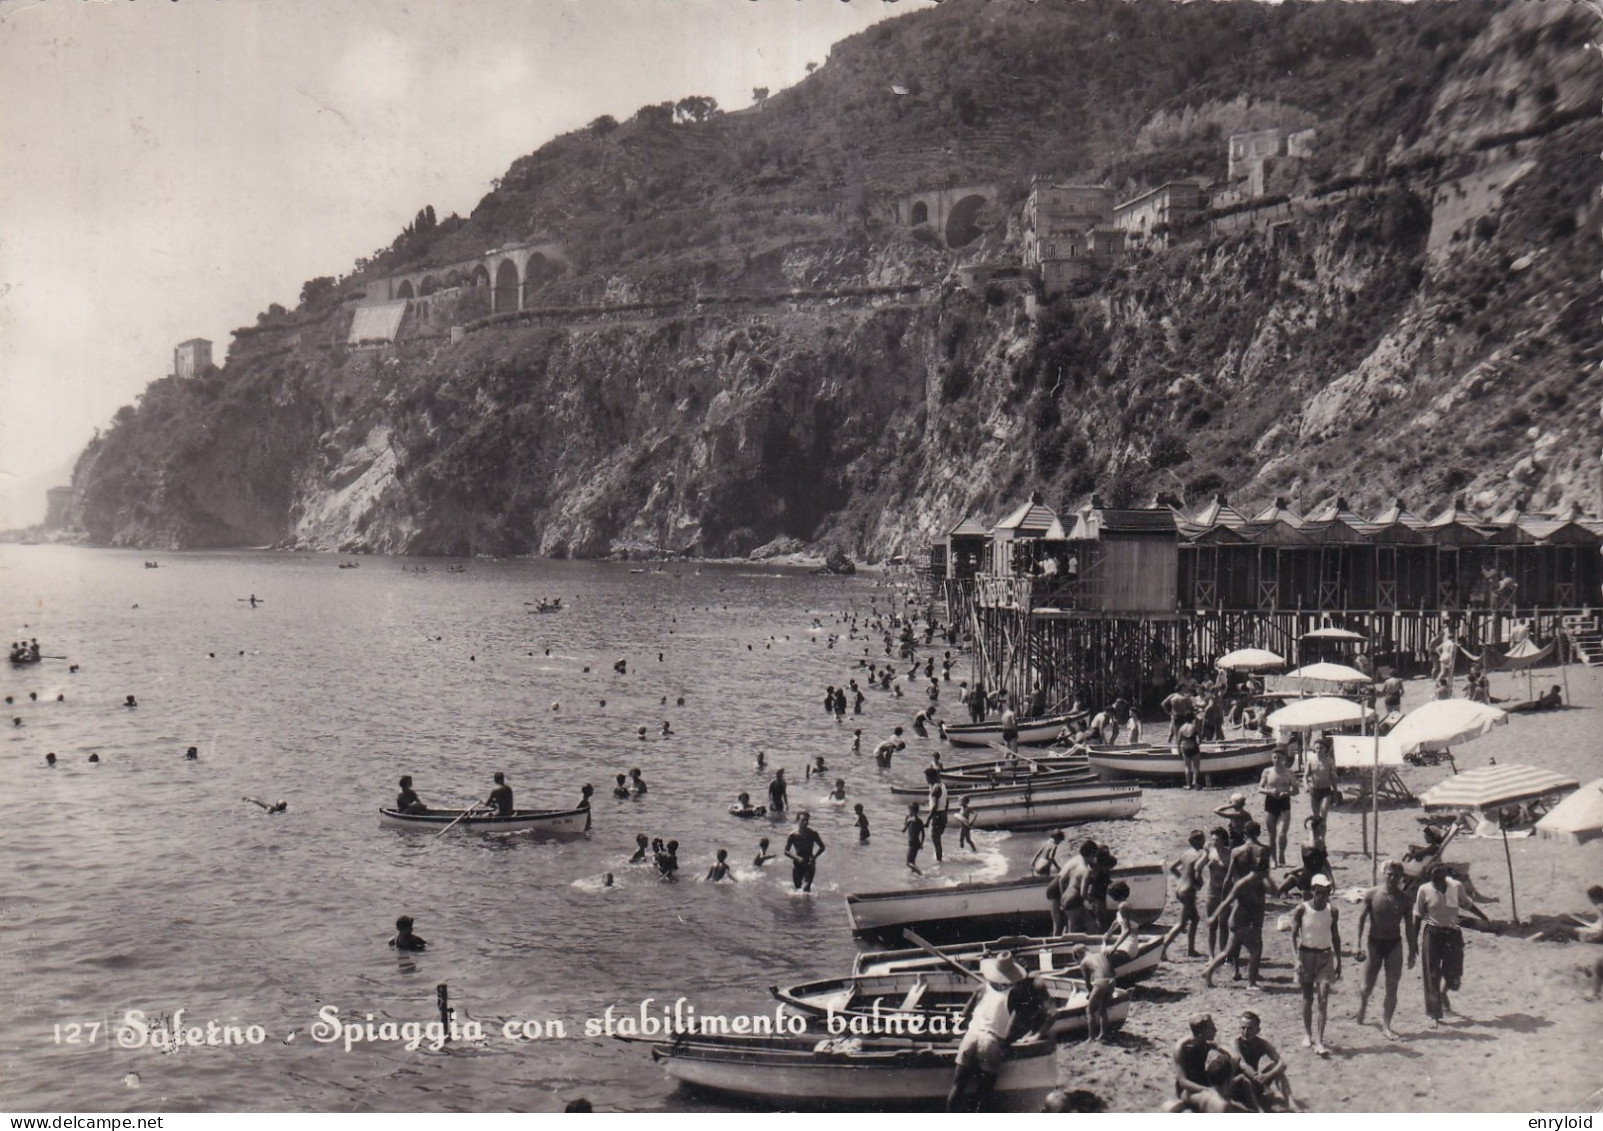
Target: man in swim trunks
(404, 938)
(777, 792)
(500, 798)
(804, 847)
(1390, 919)
(1191, 1061)
(939, 802)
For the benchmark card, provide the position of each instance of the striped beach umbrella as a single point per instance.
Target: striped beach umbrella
(1492, 787)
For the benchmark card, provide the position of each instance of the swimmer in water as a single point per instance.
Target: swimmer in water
(720, 869)
(50, 760)
(276, 807)
(642, 733)
(667, 730)
(638, 782)
(762, 760)
(621, 790)
(862, 823)
(404, 938)
(668, 861)
(606, 879)
(130, 701)
(192, 755)
(95, 759)
(965, 824)
(839, 792)
(642, 846)
(763, 855)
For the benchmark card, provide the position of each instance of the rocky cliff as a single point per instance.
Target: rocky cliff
(1415, 313)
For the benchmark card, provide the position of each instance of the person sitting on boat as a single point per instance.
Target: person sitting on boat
(407, 801)
(621, 790)
(404, 938)
(500, 798)
(1010, 1005)
(744, 808)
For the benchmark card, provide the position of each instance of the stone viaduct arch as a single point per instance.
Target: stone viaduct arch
(509, 273)
(951, 212)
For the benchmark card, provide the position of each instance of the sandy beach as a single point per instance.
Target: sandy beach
(1522, 1040)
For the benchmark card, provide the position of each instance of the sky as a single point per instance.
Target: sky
(169, 168)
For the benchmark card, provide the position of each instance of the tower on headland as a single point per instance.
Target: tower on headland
(192, 358)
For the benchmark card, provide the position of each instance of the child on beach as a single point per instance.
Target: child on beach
(965, 820)
(913, 826)
(862, 823)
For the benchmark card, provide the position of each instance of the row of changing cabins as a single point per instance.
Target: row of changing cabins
(1115, 600)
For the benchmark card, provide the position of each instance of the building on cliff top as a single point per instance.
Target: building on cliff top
(1069, 233)
(1149, 218)
(192, 358)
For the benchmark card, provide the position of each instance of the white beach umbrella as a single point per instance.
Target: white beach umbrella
(1443, 723)
(1333, 634)
(1250, 660)
(1327, 673)
(1578, 818)
(1318, 713)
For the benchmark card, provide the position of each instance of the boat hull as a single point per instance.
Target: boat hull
(1032, 732)
(1156, 763)
(1045, 807)
(554, 822)
(1071, 776)
(803, 1072)
(1053, 954)
(979, 911)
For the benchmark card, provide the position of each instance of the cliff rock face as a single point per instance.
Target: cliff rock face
(1416, 315)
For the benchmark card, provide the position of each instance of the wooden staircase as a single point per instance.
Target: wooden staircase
(1585, 639)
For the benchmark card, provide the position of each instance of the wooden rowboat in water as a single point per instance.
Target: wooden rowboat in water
(1113, 763)
(1032, 732)
(928, 1002)
(978, 911)
(855, 1073)
(552, 821)
(1052, 954)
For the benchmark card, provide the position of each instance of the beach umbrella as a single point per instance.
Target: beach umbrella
(1318, 713)
(1492, 787)
(1578, 818)
(1443, 723)
(1250, 660)
(1327, 673)
(1333, 634)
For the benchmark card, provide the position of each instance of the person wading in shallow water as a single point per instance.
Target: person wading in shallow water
(804, 847)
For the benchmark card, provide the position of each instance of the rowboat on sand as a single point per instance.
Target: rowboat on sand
(1082, 774)
(978, 911)
(1052, 954)
(1114, 763)
(1032, 732)
(849, 1072)
(933, 1000)
(555, 822)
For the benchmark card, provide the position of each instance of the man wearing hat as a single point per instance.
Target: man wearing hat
(1009, 1005)
(1317, 941)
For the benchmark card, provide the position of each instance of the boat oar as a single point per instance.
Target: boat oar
(459, 816)
(910, 936)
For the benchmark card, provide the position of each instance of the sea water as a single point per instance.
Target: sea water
(168, 946)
